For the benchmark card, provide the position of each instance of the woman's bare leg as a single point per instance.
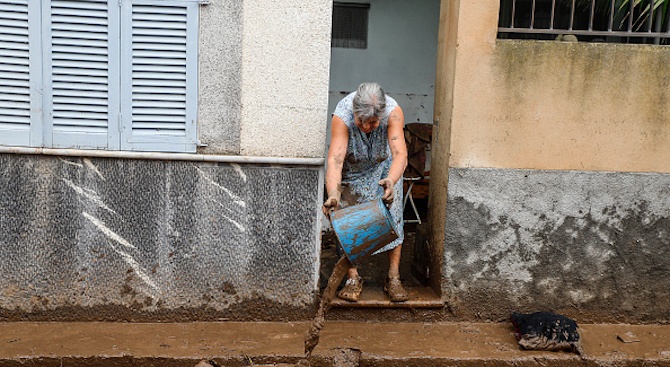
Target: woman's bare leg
(394, 262)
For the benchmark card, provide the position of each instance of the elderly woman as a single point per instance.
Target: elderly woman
(366, 160)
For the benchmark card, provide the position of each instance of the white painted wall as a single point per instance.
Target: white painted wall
(401, 56)
(285, 63)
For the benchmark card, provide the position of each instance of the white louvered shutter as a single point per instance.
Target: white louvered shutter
(20, 112)
(159, 75)
(82, 77)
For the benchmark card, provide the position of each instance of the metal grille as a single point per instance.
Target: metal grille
(621, 21)
(350, 25)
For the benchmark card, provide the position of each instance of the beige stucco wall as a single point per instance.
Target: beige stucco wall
(285, 70)
(541, 105)
(554, 105)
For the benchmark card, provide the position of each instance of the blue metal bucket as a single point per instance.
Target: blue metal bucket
(363, 229)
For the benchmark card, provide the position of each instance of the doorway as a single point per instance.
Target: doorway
(393, 43)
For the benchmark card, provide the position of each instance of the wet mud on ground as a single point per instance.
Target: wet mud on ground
(352, 343)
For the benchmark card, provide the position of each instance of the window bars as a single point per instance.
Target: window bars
(350, 25)
(646, 21)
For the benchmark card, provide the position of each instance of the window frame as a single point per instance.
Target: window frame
(40, 131)
(348, 41)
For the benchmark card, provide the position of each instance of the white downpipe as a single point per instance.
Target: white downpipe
(165, 156)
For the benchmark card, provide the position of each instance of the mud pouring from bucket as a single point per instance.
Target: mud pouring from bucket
(361, 230)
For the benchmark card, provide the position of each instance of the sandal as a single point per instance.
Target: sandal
(395, 290)
(352, 289)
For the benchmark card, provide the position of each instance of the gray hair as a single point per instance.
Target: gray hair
(369, 101)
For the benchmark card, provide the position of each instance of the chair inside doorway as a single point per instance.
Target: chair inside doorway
(417, 173)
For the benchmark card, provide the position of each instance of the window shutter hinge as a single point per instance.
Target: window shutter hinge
(204, 2)
(200, 144)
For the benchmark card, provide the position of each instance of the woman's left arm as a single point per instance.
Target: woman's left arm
(396, 138)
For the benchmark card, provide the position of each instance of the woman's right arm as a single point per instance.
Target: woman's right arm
(339, 140)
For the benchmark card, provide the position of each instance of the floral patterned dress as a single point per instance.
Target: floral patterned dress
(367, 161)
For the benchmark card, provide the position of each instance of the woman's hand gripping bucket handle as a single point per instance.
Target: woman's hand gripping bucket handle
(330, 205)
(387, 192)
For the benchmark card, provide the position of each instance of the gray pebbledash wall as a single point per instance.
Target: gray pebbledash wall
(140, 240)
(592, 245)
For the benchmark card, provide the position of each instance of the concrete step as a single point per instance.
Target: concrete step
(273, 343)
(375, 297)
